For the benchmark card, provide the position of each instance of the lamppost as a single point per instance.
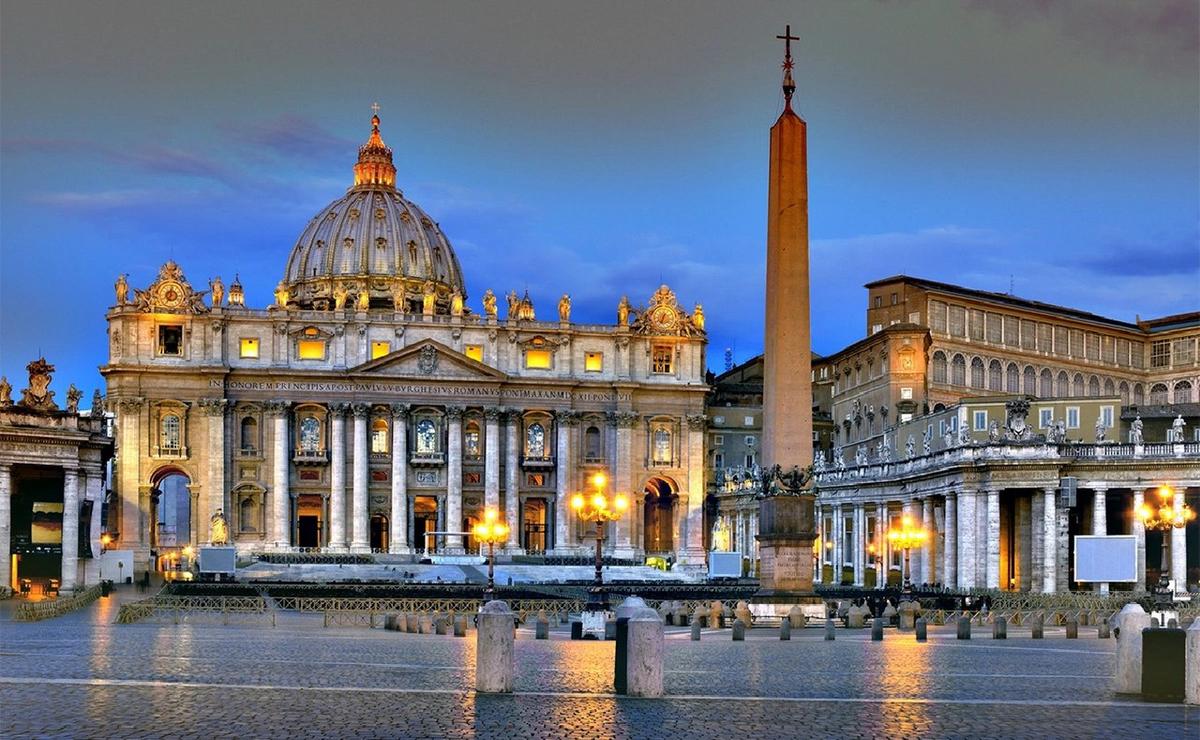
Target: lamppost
(906, 538)
(490, 531)
(600, 509)
(1171, 513)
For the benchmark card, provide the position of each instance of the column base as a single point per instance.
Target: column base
(337, 548)
(360, 548)
(625, 553)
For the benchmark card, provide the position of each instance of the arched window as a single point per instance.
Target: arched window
(1123, 389)
(976, 372)
(426, 437)
(535, 441)
(169, 442)
(1139, 394)
(593, 448)
(1109, 389)
(1063, 386)
(1183, 392)
(995, 376)
(471, 446)
(958, 371)
(939, 367)
(1158, 394)
(1093, 386)
(1012, 378)
(1029, 378)
(379, 436)
(310, 434)
(1046, 381)
(662, 445)
(1077, 386)
(249, 434)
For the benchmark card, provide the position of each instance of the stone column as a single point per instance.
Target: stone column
(1049, 541)
(917, 561)
(968, 539)
(929, 552)
(512, 478)
(562, 480)
(214, 411)
(993, 537)
(838, 533)
(337, 476)
(93, 491)
(623, 466)
(360, 534)
(491, 462)
(6, 529)
(1100, 522)
(860, 543)
(281, 501)
(70, 529)
(950, 545)
(454, 542)
(881, 561)
(399, 520)
(1139, 532)
(1179, 548)
(133, 536)
(694, 555)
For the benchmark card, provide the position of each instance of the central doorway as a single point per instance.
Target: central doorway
(658, 516)
(379, 532)
(533, 526)
(425, 516)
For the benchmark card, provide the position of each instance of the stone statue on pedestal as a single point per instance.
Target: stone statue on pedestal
(564, 308)
(1176, 434)
(218, 291)
(1135, 432)
(623, 311)
(5, 392)
(73, 396)
(489, 303)
(122, 290)
(1101, 429)
(910, 447)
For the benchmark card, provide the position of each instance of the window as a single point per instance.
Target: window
(976, 372)
(170, 340)
(878, 301)
(995, 376)
(426, 437)
(1123, 389)
(750, 440)
(748, 421)
(248, 348)
(1093, 389)
(310, 434)
(1139, 394)
(718, 460)
(1077, 386)
(981, 421)
(958, 370)
(169, 442)
(474, 351)
(1158, 394)
(593, 362)
(593, 444)
(749, 459)
(904, 418)
(1046, 383)
(249, 435)
(718, 440)
(894, 298)
(718, 420)
(661, 359)
(662, 446)
(535, 441)
(311, 349)
(471, 447)
(1029, 380)
(379, 349)
(1106, 416)
(1160, 354)
(1183, 392)
(538, 359)
(1062, 385)
(939, 367)
(876, 328)
(1182, 352)
(1072, 417)
(1012, 378)
(906, 393)
(1045, 418)
(379, 436)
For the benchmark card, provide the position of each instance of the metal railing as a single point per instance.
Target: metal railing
(34, 611)
(181, 609)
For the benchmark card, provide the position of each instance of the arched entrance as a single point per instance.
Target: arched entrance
(171, 516)
(379, 532)
(425, 518)
(533, 525)
(658, 516)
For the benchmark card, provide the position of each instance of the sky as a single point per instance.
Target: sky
(1048, 148)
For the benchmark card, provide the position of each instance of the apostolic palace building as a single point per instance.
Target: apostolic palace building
(372, 408)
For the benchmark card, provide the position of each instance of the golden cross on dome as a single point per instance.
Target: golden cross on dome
(375, 108)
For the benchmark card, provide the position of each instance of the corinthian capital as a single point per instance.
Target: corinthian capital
(214, 406)
(492, 413)
(454, 413)
(361, 410)
(277, 407)
(697, 422)
(400, 411)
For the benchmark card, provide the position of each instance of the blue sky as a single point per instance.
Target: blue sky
(600, 149)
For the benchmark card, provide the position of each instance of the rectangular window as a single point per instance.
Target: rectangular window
(1123, 353)
(1160, 353)
(748, 421)
(1077, 343)
(1045, 418)
(906, 394)
(749, 459)
(1060, 341)
(1045, 340)
(750, 440)
(876, 328)
(718, 460)
(878, 301)
(937, 317)
(248, 348)
(170, 340)
(661, 359)
(958, 321)
(1072, 417)
(914, 317)
(311, 349)
(976, 321)
(1012, 331)
(980, 421)
(995, 328)
(474, 351)
(593, 362)
(1028, 334)
(537, 359)
(379, 349)
(895, 298)
(718, 440)
(1093, 346)
(1182, 352)
(1106, 416)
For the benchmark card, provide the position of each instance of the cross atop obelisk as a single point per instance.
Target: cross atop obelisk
(789, 85)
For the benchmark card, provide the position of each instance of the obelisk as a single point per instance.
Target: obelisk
(786, 526)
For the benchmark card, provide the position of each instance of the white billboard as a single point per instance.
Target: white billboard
(724, 565)
(1106, 558)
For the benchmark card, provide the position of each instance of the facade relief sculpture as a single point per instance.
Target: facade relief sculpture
(38, 396)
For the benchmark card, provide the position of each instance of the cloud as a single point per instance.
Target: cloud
(109, 200)
(290, 136)
(1177, 256)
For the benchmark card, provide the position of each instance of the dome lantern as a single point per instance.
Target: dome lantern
(374, 167)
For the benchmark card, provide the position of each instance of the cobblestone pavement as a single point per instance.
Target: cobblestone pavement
(83, 676)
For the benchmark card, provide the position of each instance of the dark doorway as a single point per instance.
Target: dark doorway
(308, 533)
(659, 516)
(379, 533)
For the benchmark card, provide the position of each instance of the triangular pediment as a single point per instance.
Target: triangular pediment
(429, 359)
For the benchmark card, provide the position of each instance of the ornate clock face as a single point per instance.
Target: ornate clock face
(664, 318)
(171, 294)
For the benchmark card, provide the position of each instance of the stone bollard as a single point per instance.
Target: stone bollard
(541, 628)
(830, 628)
(877, 629)
(422, 626)
(1173, 624)
(1130, 622)
(999, 628)
(922, 629)
(1072, 629)
(495, 666)
(1037, 624)
(439, 623)
(412, 625)
(907, 614)
(1191, 664)
(460, 626)
(695, 630)
(389, 622)
(1154, 622)
(681, 615)
(796, 617)
(700, 616)
(739, 630)
(1102, 629)
(785, 630)
(889, 613)
(856, 617)
(644, 672)
(743, 613)
(715, 615)
(964, 628)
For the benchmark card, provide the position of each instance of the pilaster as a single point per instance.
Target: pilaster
(360, 538)
(337, 476)
(454, 519)
(399, 520)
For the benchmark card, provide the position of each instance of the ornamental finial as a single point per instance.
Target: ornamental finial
(789, 85)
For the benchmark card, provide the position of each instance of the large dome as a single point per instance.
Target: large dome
(373, 239)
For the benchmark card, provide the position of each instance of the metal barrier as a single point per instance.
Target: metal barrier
(229, 609)
(34, 611)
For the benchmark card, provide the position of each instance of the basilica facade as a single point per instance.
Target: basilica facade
(372, 408)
